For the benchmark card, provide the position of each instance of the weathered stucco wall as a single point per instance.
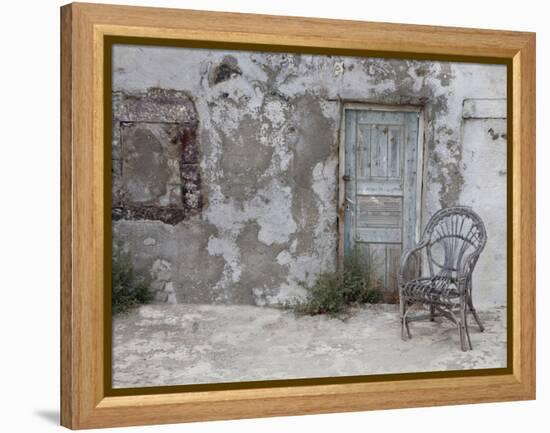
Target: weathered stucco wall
(267, 131)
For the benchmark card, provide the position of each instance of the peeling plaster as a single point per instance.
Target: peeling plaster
(268, 137)
(228, 250)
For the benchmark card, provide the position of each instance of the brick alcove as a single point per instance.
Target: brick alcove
(155, 157)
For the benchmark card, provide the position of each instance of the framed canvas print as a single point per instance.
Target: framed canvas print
(266, 215)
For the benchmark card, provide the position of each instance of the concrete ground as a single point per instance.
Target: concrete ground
(183, 344)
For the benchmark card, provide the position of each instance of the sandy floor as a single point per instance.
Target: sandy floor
(183, 344)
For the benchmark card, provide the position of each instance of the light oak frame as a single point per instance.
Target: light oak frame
(85, 401)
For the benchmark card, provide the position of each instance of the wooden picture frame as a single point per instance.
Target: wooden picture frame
(86, 397)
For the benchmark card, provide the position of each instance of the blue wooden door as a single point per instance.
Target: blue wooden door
(381, 193)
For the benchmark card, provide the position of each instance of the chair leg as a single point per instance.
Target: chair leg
(405, 333)
(407, 328)
(464, 322)
(470, 305)
(474, 313)
(459, 322)
(461, 335)
(468, 335)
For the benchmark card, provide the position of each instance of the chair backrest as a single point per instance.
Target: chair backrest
(455, 237)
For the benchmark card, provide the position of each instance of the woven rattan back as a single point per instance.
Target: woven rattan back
(455, 237)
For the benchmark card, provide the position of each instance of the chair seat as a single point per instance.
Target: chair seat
(435, 290)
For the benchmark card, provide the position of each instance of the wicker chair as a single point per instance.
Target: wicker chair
(450, 247)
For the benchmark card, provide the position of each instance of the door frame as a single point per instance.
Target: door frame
(370, 106)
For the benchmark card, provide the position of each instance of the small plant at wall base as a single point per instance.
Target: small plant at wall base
(128, 288)
(335, 292)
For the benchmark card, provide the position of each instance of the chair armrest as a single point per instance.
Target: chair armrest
(467, 269)
(405, 258)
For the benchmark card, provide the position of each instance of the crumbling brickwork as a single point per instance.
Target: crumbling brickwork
(156, 173)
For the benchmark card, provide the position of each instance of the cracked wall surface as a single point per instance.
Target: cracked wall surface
(261, 210)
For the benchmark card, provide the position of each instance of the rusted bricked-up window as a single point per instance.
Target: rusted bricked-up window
(155, 157)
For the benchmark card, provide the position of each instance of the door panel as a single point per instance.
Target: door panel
(381, 160)
(374, 187)
(379, 211)
(363, 150)
(378, 235)
(378, 151)
(393, 258)
(395, 138)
